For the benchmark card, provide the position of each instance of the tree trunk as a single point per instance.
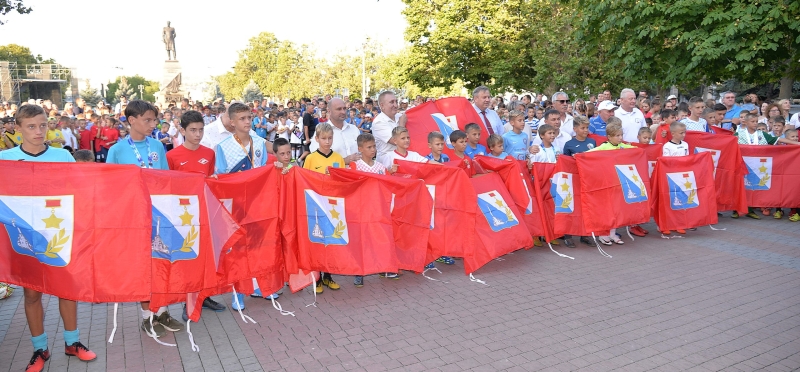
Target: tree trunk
(786, 88)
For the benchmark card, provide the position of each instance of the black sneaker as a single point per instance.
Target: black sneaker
(569, 243)
(210, 304)
(587, 241)
(169, 323)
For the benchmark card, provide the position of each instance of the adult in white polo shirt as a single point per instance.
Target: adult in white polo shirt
(561, 103)
(481, 99)
(384, 123)
(221, 129)
(344, 134)
(632, 118)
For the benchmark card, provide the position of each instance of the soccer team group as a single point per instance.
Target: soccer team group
(230, 145)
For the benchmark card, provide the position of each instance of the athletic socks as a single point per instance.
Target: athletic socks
(39, 342)
(71, 337)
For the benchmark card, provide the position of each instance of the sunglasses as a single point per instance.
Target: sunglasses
(562, 101)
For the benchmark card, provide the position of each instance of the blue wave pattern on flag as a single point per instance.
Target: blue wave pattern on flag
(682, 190)
(327, 223)
(633, 190)
(444, 126)
(40, 226)
(496, 210)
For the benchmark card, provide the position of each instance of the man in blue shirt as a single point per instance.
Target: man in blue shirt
(597, 124)
(31, 122)
(732, 115)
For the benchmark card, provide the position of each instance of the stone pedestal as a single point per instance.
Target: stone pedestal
(171, 80)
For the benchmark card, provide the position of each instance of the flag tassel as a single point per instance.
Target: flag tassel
(429, 278)
(114, 330)
(153, 334)
(195, 348)
(600, 248)
(277, 306)
(560, 254)
(245, 318)
(712, 228)
(314, 289)
(628, 230)
(474, 279)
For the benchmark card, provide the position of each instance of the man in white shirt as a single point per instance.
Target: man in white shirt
(344, 135)
(384, 123)
(632, 118)
(561, 103)
(553, 118)
(481, 99)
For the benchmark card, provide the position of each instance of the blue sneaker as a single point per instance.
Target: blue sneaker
(358, 281)
(240, 305)
(257, 293)
(430, 266)
(273, 296)
(446, 260)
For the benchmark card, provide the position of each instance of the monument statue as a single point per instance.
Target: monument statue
(169, 40)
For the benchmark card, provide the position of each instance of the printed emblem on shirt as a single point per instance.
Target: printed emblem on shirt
(154, 156)
(497, 212)
(175, 234)
(759, 173)
(40, 226)
(682, 190)
(563, 192)
(202, 161)
(327, 223)
(633, 189)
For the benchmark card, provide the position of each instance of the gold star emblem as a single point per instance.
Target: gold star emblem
(499, 203)
(635, 178)
(52, 221)
(186, 218)
(334, 213)
(763, 168)
(688, 185)
(564, 187)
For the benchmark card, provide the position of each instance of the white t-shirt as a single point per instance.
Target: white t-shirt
(697, 126)
(672, 149)
(545, 155)
(388, 159)
(344, 140)
(561, 139)
(631, 122)
(69, 138)
(566, 125)
(382, 130)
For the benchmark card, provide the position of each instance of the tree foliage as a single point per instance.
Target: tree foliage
(252, 92)
(8, 6)
(90, 94)
(115, 89)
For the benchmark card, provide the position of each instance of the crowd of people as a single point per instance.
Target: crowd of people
(369, 135)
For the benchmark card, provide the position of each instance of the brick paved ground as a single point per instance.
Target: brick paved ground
(716, 300)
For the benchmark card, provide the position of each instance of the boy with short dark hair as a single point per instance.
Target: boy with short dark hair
(663, 134)
(32, 126)
(191, 156)
(581, 142)
(694, 121)
(283, 154)
(548, 153)
(644, 135)
(473, 148)
(495, 143)
(83, 156)
(436, 144)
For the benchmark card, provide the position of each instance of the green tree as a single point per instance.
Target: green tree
(133, 82)
(686, 43)
(252, 92)
(7, 6)
(90, 94)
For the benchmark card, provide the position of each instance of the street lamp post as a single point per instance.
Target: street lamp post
(364, 69)
(141, 88)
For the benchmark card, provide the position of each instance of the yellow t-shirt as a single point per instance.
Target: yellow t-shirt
(319, 162)
(16, 138)
(52, 135)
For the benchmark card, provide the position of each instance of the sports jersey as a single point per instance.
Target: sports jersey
(574, 146)
(122, 153)
(15, 138)
(675, 149)
(231, 157)
(516, 145)
(87, 136)
(443, 158)
(502, 155)
(50, 154)
(53, 135)
(699, 126)
(112, 135)
(477, 150)
(201, 160)
(361, 165)
(319, 162)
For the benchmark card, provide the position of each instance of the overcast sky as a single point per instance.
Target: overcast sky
(105, 39)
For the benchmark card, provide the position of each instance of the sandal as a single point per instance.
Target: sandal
(604, 240)
(618, 241)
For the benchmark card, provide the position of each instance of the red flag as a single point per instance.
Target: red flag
(684, 195)
(662, 134)
(443, 115)
(455, 207)
(565, 192)
(542, 173)
(729, 168)
(412, 215)
(341, 227)
(598, 139)
(467, 165)
(773, 175)
(614, 188)
(70, 236)
(718, 130)
(499, 227)
(253, 202)
(519, 184)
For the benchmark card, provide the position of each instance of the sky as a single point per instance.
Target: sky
(126, 40)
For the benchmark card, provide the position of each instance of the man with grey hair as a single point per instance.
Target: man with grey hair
(732, 115)
(561, 103)
(481, 99)
(632, 118)
(384, 123)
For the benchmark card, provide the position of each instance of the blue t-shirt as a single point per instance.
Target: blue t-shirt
(261, 132)
(733, 113)
(122, 153)
(161, 135)
(478, 150)
(50, 154)
(516, 145)
(502, 155)
(597, 126)
(574, 146)
(442, 159)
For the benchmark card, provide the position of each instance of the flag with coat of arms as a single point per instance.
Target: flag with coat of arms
(63, 238)
(684, 194)
(729, 168)
(565, 188)
(773, 175)
(442, 115)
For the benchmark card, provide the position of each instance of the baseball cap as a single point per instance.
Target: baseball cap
(672, 96)
(606, 105)
(404, 100)
(8, 119)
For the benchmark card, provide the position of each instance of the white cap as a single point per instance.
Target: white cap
(606, 105)
(671, 97)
